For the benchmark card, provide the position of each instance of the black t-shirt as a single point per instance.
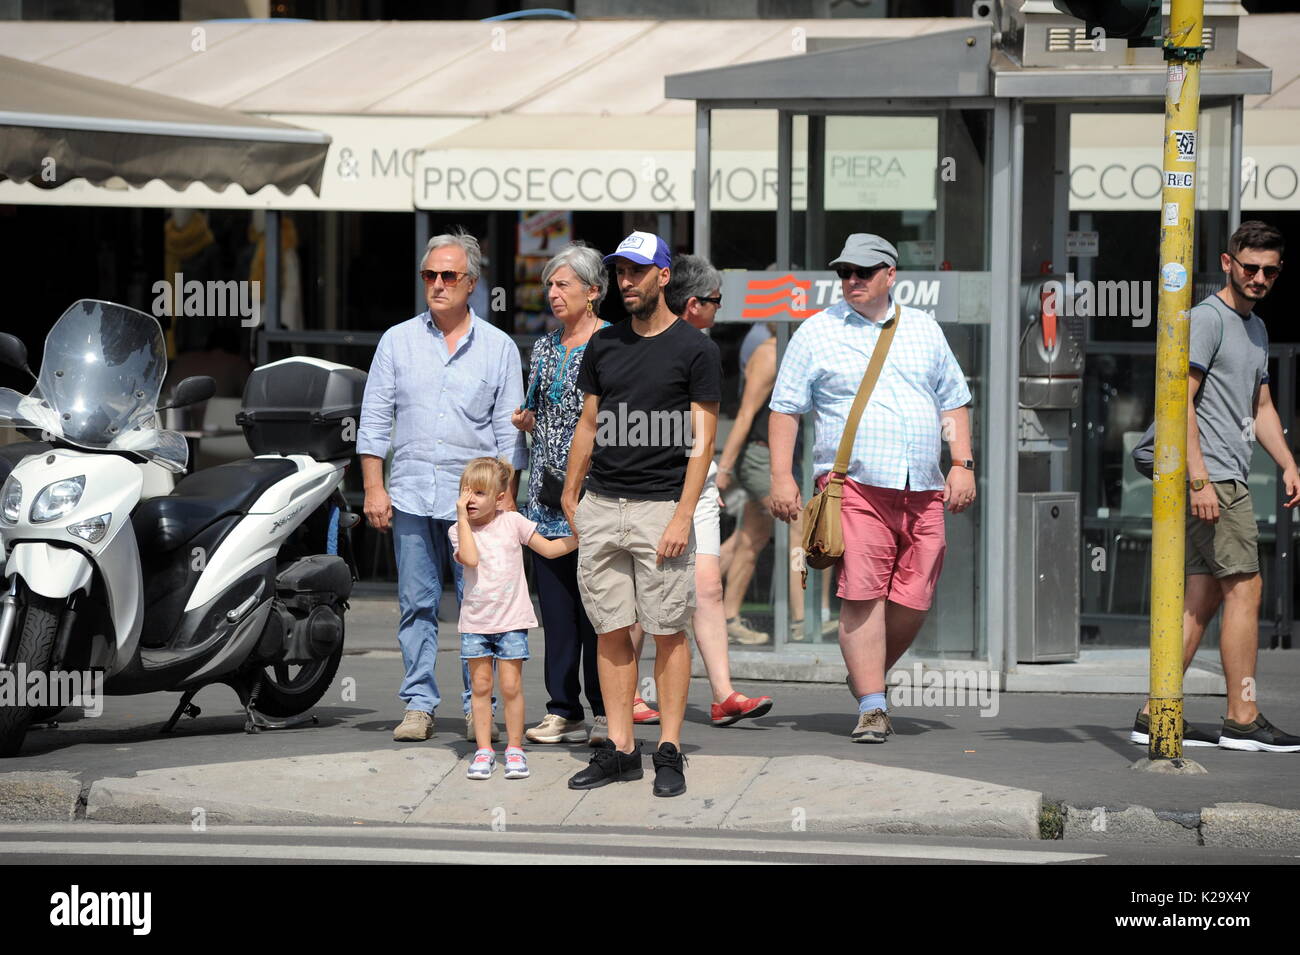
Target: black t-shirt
(646, 386)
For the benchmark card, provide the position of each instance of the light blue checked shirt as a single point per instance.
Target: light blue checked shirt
(437, 411)
(897, 442)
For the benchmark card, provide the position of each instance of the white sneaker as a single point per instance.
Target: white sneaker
(516, 764)
(482, 765)
(556, 729)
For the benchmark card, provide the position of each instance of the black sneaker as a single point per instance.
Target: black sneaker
(669, 778)
(1260, 736)
(607, 766)
(1191, 735)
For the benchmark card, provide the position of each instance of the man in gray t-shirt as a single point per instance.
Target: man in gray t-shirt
(1231, 353)
(1229, 409)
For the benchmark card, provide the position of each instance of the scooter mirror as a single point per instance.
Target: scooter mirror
(14, 353)
(191, 391)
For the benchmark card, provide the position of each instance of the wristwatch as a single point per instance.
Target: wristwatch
(968, 464)
(1198, 483)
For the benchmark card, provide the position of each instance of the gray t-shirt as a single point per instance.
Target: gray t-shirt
(1233, 353)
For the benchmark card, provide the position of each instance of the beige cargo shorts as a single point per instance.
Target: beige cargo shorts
(1231, 545)
(620, 581)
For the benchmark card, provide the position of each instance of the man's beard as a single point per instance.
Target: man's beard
(648, 306)
(1244, 292)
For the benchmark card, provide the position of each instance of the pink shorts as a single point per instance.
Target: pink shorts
(893, 544)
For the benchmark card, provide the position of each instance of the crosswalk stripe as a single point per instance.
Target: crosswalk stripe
(324, 853)
(524, 841)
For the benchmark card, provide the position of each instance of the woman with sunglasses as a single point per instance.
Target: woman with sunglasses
(576, 281)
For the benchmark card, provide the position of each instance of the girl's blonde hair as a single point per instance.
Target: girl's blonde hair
(487, 474)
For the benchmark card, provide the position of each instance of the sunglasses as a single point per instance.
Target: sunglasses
(847, 271)
(1270, 271)
(711, 299)
(449, 278)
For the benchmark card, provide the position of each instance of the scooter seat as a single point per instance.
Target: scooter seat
(164, 523)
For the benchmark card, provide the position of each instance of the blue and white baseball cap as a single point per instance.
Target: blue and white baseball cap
(644, 248)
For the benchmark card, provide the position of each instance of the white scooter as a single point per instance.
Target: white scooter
(222, 580)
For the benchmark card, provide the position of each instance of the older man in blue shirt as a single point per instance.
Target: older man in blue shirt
(441, 390)
(894, 495)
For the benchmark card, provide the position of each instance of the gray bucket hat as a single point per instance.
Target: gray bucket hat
(864, 249)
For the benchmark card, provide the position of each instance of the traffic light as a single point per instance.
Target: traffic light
(1137, 21)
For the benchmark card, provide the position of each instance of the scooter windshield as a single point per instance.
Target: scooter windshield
(99, 382)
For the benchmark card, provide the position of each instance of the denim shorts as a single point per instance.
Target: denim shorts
(512, 645)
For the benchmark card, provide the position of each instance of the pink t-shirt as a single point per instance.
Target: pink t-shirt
(496, 593)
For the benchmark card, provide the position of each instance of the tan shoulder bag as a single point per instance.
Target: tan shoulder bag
(823, 534)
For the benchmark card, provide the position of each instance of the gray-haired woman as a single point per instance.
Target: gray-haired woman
(575, 282)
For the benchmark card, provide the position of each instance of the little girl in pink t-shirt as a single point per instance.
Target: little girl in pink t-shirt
(496, 611)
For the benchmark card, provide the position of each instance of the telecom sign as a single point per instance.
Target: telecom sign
(791, 296)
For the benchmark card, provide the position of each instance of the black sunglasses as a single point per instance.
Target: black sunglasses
(711, 299)
(1270, 271)
(846, 271)
(449, 278)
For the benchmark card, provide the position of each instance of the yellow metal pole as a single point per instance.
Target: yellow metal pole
(1168, 522)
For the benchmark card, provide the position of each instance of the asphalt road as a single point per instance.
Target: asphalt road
(1072, 748)
(107, 844)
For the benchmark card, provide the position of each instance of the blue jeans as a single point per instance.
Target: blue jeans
(423, 553)
(511, 645)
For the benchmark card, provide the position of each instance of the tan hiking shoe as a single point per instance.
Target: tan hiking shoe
(739, 632)
(416, 726)
(469, 730)
(556, 729)
(873, 726)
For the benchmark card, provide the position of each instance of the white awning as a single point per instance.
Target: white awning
(519, 94)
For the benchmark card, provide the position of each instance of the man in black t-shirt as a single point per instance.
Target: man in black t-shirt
(646, 434)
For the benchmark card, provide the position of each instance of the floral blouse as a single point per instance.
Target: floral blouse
(553, 396)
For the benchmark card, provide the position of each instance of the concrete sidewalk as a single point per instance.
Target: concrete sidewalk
(405, 785)
(1037, 764)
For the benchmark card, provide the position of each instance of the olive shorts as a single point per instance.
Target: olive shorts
(618, 576)
(1230, 546)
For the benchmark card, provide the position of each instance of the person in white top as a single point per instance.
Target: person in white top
(496, 612)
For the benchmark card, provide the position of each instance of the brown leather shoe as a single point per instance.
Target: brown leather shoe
(873, 726)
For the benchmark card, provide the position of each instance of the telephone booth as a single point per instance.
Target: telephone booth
(955, 144)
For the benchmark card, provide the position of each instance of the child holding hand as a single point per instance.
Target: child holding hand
(496, 611)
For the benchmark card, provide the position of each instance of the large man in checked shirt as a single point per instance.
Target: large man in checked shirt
(895, 494)
(441, 389)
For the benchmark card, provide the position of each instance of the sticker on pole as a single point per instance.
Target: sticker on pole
(1185, 140)
(1173, 276)
(1179, 180)
(1171, 213)
(1174, 81)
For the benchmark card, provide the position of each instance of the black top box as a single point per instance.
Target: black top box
(303, 406)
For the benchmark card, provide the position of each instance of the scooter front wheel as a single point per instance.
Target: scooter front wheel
(39, 624)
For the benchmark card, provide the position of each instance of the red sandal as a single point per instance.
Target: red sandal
(647, 716)
(732, 710)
